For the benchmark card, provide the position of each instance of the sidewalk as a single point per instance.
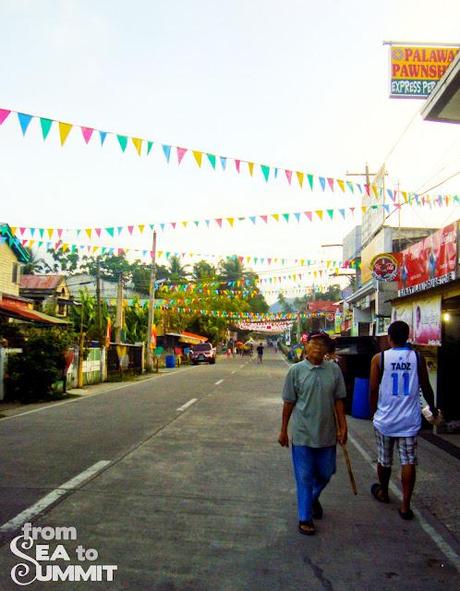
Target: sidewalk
(438, 478)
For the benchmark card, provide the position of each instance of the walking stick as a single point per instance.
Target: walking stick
(347, 461)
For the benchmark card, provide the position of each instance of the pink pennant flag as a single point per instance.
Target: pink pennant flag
(180, 154)
(331, 183)
(264, 218)
(238, 164)
(130, 230)
(87, 133)
(98, 231)
(309, 215)
(59, 232)
(4, 114)
(219, 222)
(173, 224)
(22, 230)
(288, 175)
(352, 209)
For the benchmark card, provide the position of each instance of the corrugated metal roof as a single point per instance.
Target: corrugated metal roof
(17, 311)
(41, 281)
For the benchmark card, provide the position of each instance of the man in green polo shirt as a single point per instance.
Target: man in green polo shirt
(313, 394)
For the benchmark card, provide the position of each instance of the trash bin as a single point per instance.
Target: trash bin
(360, 408)
(170, 361)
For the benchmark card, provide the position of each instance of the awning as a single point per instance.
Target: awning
(12, 310)
(191, 338)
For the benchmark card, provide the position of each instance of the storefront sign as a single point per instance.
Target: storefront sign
(385, 267)
(423, 318)
(427, 321)
(429, 263)
(416, 70)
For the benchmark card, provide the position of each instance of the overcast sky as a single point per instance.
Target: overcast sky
(297, 84)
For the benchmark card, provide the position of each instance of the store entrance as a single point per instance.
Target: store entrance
(448, 364)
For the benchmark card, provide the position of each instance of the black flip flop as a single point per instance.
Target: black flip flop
(307, 532)
(377, 493)
(406, 515)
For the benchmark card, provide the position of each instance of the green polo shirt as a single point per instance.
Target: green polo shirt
(314, 389)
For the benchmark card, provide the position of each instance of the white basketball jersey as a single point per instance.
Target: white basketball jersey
(398, 409)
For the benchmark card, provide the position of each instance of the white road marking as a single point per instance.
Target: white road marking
(218, 382)
(186, 405)
(440, 542)
(52, 497)
(234, 371)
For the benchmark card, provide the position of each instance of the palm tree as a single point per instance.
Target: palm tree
(36, 264)
(203, 271)
(177, 272)
(232, 269)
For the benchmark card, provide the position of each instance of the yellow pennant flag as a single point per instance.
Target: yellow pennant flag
(319, 213)
(231, 221)
(375, 190)
(300, 176)
(198, 157)
(13, 229)
(31, 243)
(184, 224)
(50, 232)
(88, 232)
(364, 208)
(141, 228)
(64, 130)
(251, 167)
(137, 144)
(65, 247)
(404, 194)
(276, 216)
(341, 185)
(95, 249)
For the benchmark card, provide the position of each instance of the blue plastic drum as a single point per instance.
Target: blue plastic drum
(170, 361)
(360, 407)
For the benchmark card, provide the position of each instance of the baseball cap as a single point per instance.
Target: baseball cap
(319, 334)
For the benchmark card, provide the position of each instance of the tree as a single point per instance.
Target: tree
(36, 264)
(286, 307)
(231, 269)
(203, 272)
(177, 271)
(110, 266)
(64, 262)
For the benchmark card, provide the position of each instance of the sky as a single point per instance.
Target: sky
(297, 84)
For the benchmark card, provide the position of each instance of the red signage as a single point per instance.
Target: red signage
(430, 262)
(385, 267)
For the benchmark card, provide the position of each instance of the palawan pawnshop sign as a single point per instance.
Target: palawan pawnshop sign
(416, 70)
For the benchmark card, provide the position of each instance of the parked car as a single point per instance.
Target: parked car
(203, 353)
(354, 355)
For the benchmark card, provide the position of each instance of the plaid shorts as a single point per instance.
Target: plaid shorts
(407, 449)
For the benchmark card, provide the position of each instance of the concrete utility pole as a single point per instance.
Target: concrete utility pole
(100, 336)
(119, 317)
(153, 272)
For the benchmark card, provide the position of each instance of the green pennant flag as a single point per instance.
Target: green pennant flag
(265, 171)
(310, 180)
(46, 126)
(212, 160)
(110, 231)
(123, 141)
(149, 147)
(330, 213)
(286, 216)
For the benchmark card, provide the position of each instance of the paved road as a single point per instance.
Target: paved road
(199, 496)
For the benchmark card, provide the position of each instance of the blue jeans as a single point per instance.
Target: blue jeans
(313, 468)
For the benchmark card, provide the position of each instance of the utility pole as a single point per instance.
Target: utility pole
(150, 322)
(119, 317)
(99, 304)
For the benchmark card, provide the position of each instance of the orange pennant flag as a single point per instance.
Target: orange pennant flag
(137, 144)
(64, 130)
(300, 176)
(198, 157)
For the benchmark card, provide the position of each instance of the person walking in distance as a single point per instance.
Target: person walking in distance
(313, 394)
(260, 353)
(396, 378)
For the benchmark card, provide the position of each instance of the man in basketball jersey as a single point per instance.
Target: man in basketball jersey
(396, 378)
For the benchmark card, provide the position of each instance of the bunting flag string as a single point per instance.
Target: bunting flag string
(322, 215)
(145, 146)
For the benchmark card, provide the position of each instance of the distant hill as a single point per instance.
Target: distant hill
(276, 307)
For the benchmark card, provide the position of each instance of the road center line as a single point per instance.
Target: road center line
(186, 405)
(218, 382)
(52, 497)
(440, 542)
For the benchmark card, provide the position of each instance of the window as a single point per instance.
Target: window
(61, 309)
(15, 273)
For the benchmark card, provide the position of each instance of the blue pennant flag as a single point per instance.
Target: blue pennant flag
(322, 181)
(102, 135)
(166, 151)
(24, 121)
(223, 162)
